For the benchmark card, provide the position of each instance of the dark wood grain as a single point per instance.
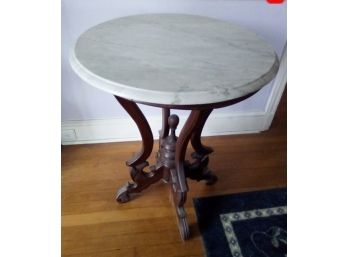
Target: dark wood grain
(141, 179)
(144, 129)
(196, 143)
(165, 128)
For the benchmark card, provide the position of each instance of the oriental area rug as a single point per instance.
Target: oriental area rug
(251, 224)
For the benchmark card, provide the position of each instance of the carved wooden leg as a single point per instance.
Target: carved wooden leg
(137, 164)
(167, 156)
(178, 179)
(199, 170)
(196, 135)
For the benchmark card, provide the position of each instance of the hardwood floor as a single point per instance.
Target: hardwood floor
(95, 225)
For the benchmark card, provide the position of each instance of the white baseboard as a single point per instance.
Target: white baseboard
(124, 129)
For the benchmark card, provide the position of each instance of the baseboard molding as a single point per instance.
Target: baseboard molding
(124, 129)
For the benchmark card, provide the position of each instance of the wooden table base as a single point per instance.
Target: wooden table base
(171, 165)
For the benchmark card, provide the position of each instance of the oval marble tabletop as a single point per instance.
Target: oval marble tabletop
(173, 59)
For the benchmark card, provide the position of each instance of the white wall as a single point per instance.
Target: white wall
(82, 102)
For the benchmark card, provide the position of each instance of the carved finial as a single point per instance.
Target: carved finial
(173, 122)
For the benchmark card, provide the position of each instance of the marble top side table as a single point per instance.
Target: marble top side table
(173, 61)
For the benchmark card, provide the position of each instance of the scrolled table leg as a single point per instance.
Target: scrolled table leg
(141, 179)
(198, 170)
(179, 186)
(179, 199)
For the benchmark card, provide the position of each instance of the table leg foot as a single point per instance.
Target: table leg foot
(210, 178)
(198, 170)
(122, 194)
(178, 200)
(141, 180)
(182, 223)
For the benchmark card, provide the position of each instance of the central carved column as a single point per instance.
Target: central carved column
(171, 165)
(174, 175)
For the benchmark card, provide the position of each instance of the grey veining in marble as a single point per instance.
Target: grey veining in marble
(173, 59)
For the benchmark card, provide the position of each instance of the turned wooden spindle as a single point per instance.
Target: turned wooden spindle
(173, 122)
(167, 151)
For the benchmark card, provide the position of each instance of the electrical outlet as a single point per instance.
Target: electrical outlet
(68, 135)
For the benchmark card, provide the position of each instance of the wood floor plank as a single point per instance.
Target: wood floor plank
(126, 241)
(119, 215)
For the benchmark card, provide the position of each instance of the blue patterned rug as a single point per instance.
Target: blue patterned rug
(249, 224)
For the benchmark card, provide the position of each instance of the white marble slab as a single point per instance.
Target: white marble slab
(173, 59)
